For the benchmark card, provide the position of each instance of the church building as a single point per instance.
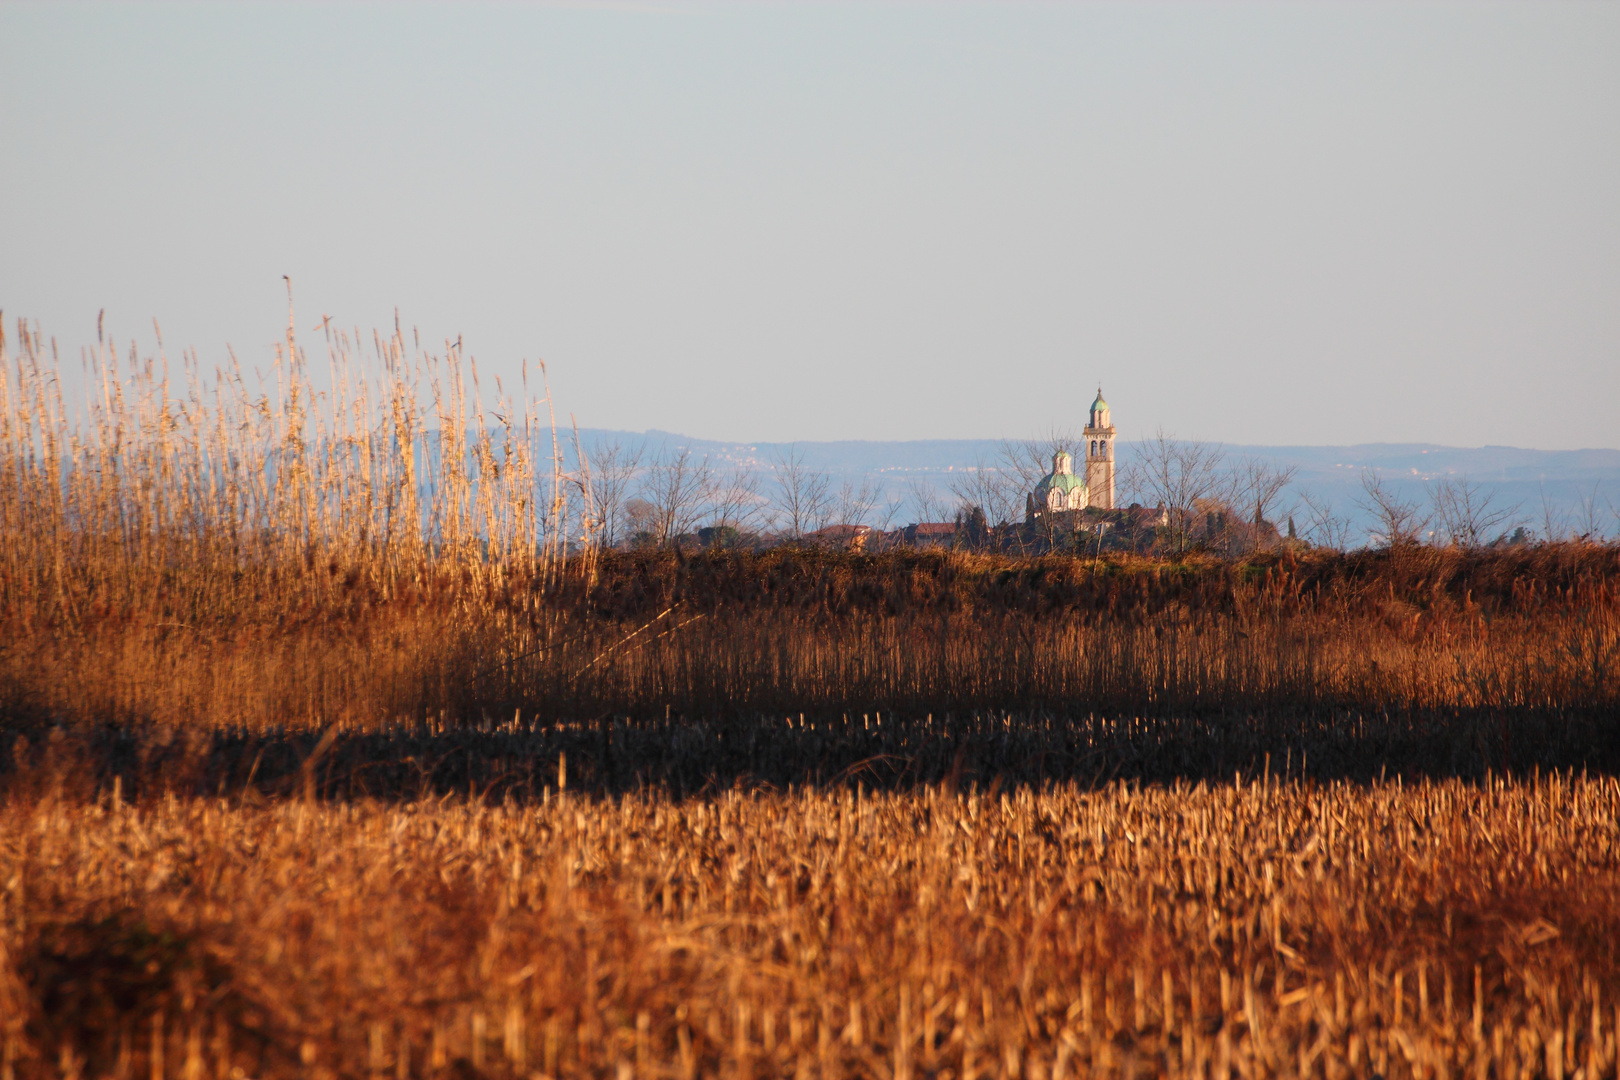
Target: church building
(1100, 455)
(1061, 490)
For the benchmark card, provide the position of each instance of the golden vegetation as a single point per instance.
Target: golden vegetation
(1255, 929)
(325, 751)
(196, 555)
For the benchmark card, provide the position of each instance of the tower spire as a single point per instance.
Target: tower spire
(1100, 454)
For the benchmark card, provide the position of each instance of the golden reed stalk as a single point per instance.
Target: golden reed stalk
(329, 751)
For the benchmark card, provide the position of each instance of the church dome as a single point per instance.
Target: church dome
(1099, 403)
(1064, 482)
(1061, 478)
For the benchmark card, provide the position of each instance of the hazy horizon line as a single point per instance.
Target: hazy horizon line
(1026, 438)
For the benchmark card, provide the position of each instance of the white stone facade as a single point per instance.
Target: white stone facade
(1099, 435)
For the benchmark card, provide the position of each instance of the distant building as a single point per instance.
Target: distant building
(853, 537)
(1144, 517)
(1061, 490)
(931, 534)
(1100, 455)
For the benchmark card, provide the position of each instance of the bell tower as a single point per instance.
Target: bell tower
(1100, 455)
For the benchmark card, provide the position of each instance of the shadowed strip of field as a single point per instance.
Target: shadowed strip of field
(683, 757)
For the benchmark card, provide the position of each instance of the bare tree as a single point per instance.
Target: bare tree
(1178, 477)
(1589, 518)
(1324, 528)
(989, 488)
(735, 501)
(1031, 459)
(800, 495)
(925, 499)
(889, 510)
(1465, 515)
(678, 487)
(996, 494)
(854, 502)
(1401, 521)
(1257, 484)
(639, 520)
(1253, 486)
(1552, 521)
(607, 471)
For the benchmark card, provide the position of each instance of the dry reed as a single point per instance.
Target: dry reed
(327, 753)
(208, 556)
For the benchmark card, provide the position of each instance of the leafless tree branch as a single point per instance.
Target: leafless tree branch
(1324, 528)
(1257, 484)
(678, 487)
(1401, 521)
(736, 502)
(1465, 515)
(925, 499)
(1179, 477)
(608, 471)
(854, 502)
(1552, 520)
(800, 494)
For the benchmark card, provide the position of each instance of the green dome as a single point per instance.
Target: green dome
(1061, 478)
(1064, 482)
(1099, 403)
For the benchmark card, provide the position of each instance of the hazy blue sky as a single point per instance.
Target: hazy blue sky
(1258, 223)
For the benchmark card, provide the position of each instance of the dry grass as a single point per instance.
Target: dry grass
(1251, 930)
(206, 557)
(290, 685)
(309, 646)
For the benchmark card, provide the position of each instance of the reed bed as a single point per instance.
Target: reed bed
(330, 745)
(292, 651)
(378, 546)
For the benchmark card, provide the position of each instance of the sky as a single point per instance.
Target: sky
(1260, 223)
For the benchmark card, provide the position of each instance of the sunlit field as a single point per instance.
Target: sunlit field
(332, 745)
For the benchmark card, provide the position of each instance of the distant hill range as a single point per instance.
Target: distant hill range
(1560, 487)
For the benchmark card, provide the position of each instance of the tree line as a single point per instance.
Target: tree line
(1200, 496)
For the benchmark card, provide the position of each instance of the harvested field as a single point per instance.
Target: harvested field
(326, 750)
(1249, 929)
